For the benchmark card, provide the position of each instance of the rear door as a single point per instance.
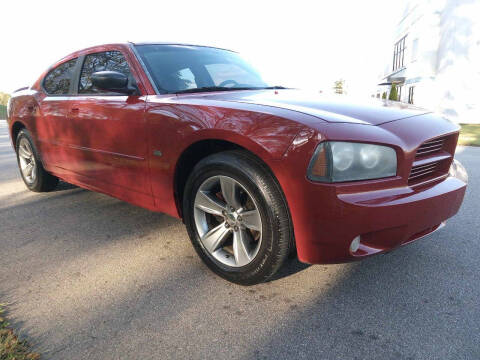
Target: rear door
(108, 130)
(51, 128)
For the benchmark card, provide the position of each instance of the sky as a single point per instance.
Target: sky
(302, 44)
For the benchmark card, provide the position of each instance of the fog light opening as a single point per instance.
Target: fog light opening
(355, 245)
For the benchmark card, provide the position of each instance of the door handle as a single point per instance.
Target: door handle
(74, 109)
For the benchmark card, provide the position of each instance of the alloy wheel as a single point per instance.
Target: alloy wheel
(228, 221)
(27, 161)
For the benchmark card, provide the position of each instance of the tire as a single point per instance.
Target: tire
(28, 157)
(257, 232)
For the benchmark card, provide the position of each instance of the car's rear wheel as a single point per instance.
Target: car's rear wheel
(35, 177)
(237, 217)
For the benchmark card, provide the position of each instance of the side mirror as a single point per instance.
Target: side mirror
(112, 81)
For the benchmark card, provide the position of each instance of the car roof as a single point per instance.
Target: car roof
(103, 47)
(175, 43)
(106, 47)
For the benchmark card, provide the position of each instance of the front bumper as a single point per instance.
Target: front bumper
(384, 220)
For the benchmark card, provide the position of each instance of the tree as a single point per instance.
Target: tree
(338, 86)
(384, 95)
(393, 93)
(4, 98)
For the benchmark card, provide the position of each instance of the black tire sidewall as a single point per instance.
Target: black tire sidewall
(24, 134)
(43, 181)
(254, 178)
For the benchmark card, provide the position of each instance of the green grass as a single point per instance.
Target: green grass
(11, 347)
(3, 112)
(469, 135)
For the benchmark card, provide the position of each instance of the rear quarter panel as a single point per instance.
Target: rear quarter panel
(23, 108)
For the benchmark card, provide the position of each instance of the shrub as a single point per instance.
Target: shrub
(393, 93)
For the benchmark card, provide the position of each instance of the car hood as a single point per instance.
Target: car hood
(335, 109)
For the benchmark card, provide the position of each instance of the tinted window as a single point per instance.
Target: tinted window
(221, 73)
(186, 79)
(179, 67)
(58, 80)
(109, 60)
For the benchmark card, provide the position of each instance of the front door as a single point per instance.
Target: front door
(108, 133)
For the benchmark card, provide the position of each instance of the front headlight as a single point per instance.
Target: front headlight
(335, 161)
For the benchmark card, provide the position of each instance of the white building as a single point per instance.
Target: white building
(435, 60)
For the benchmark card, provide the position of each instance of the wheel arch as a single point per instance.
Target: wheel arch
(15, 130)
(197, 151)
(200, 149)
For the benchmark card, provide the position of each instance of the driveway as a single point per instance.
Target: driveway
(91, 277)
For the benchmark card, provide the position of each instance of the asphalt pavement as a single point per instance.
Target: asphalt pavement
(87, 276)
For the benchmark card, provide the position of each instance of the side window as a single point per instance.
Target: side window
(109, 60)
(57, 81)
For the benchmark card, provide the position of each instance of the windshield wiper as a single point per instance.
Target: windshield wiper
(212, 88)
(224, 88)
(274, 87)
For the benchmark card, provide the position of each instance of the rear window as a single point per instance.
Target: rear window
(57, 81)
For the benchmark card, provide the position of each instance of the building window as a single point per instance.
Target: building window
(398, 54)
(414, 50)
(410, 94)
(399, 92)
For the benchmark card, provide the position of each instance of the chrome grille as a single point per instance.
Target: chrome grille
(432, 160)
(422, 170)
(430, 147)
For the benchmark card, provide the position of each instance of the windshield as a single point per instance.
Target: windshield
(183, 68)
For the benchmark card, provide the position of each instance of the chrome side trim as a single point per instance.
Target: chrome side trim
(113, 154)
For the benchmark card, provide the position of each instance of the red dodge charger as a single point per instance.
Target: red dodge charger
(257, 172)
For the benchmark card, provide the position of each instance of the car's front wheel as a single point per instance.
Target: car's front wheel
(237, 217)
(35, 177)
